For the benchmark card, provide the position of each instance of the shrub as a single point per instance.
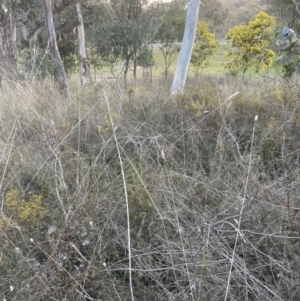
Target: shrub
(23, 211)
(251, 43)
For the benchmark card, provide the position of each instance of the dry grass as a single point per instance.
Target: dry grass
(209, 203)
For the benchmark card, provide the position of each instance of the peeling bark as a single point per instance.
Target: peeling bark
(53, 48)
(85, 75)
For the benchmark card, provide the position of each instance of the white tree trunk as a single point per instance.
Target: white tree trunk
(84, 68)
(186, 47)
(53, 48)
(24, 32)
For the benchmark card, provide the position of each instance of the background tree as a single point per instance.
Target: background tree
(205, 45)
(34, 40)
(128, 12)
(122, 36)
(53, 48)
(215, 14)
(151, 18)
(285, 12)
(241, 12)
(120, 40)
(251, 44)
(97, 34)
(33, 27)
(170, 31)
(146, 61)
(84, 68)
(8, 38)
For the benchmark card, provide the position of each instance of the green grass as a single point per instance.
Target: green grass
(215, 65)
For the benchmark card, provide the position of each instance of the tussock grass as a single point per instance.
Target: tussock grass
(154, 199)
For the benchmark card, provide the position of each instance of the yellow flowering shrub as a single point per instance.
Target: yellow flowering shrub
(251, 43)
(22, 211)
(204, 46)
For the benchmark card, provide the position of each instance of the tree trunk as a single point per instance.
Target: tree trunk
(244, 72)
(126, 67)
(8, 40)
(84, 68)
(32, 49)
(24, 32)
(23, 27)
(13, 36)
(186, 47)
(53, 48)
(3, 46)
(134, 68)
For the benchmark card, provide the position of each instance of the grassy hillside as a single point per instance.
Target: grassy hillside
(206, 193)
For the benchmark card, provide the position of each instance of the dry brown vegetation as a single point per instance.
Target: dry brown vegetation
(208, 198)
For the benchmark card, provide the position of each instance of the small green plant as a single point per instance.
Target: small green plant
(289, 65)
(141, 208)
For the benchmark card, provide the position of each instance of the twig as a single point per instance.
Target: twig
(241, 212)
(126, 198)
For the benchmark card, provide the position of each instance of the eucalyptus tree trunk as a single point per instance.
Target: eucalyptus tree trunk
(134, 68)
(8, 40)
(13, 37)
(53, 48)
(186, 47)
(84, 68)
(24, 31)
(2, 43)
